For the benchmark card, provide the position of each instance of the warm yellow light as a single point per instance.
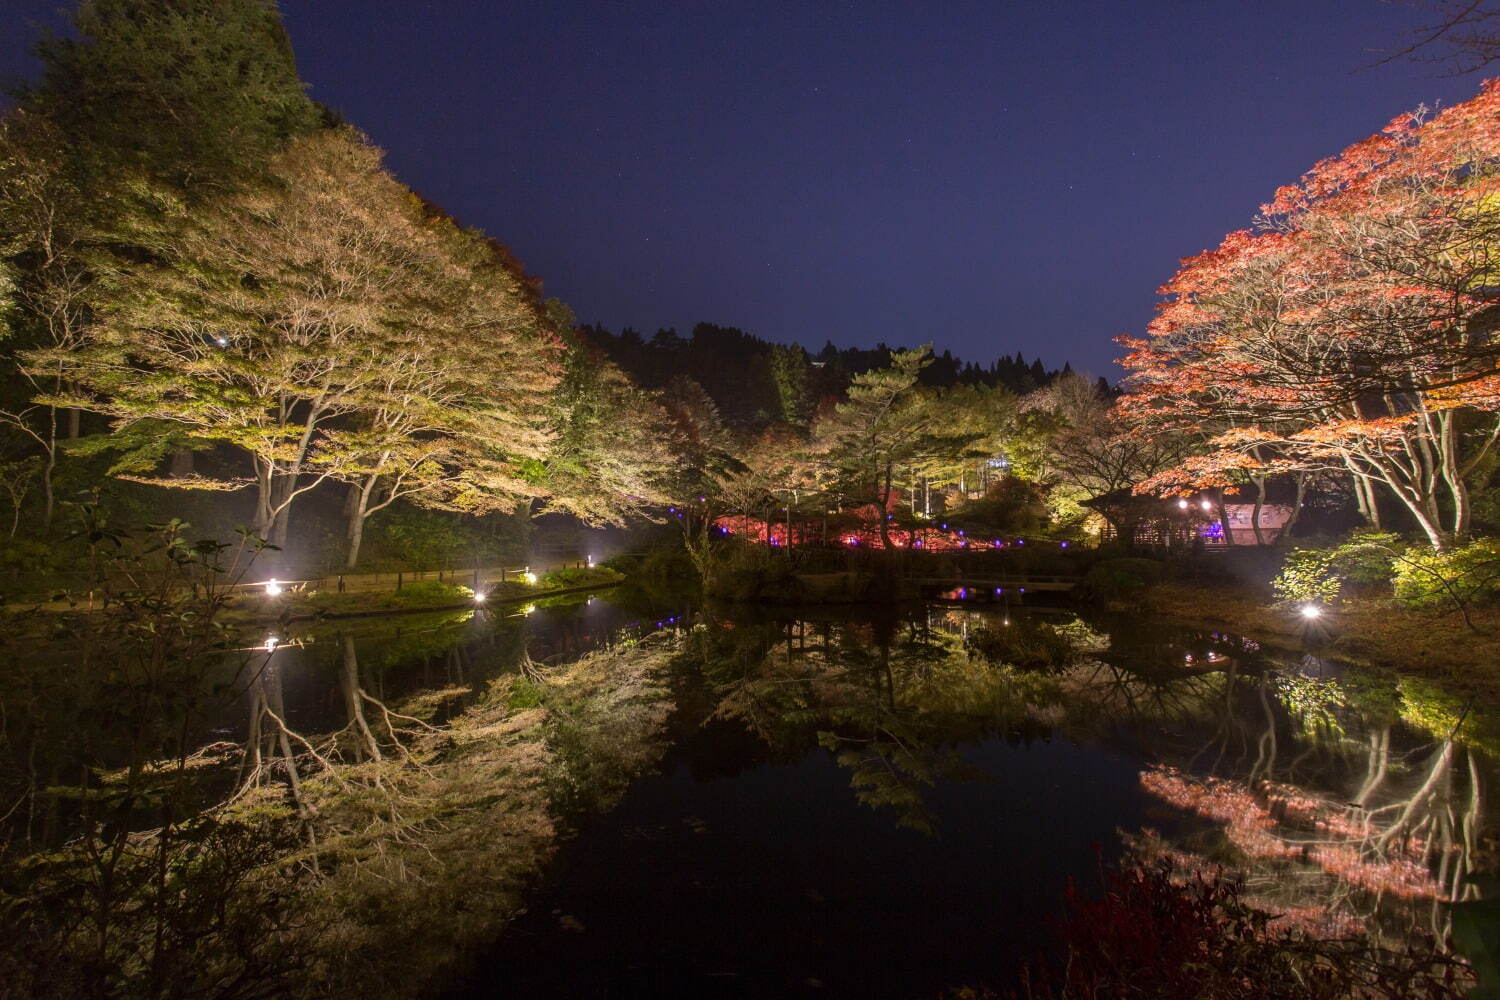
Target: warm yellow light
(528, 609)
(271, 643)
(529, 577)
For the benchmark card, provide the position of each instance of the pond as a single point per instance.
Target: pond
(854, 802)
(877, 801)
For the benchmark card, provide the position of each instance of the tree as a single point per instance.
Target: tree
(319, 323)
(874, 433)
(195, 94)
(1082, 445)
(1353, 329)
(613, 454)
(189, 95)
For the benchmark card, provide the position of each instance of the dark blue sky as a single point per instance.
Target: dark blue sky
(992, 177)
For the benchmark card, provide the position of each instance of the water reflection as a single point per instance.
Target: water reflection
(1296, 772)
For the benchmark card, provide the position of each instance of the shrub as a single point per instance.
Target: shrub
(580, 576)
(1118, 580)
(1461, 576)
(1309, 575)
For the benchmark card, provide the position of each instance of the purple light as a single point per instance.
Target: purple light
(1062, 544)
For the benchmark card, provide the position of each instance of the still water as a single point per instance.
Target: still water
(857, 802)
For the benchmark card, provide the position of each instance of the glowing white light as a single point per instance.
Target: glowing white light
(479, 597)
(273, 589)
(1207, 505)
(222, 341)
(271, 643)
(1311, 611)
(1182, 504)
(529, 577)
(591, 562)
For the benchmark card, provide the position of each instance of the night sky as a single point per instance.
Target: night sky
(991, 177)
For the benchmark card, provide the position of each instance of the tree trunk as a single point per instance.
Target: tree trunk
(357, 508)
(1260, 501)
(1286, 529)
(885, 500)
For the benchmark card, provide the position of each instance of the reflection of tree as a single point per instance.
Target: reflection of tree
(1363, 854)
(888, 701)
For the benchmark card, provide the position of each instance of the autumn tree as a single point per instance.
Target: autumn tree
(321, 323)
(1352, 329)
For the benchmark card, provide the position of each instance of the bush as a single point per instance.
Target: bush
(1309, 575)
(579, 576)
(1117, 581)
(1461, 576)
(1365, 561)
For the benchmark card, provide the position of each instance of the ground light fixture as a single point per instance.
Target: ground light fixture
(271, 643)
(1311, 611)
(273, 589)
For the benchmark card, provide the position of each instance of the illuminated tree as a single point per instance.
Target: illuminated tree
(326, 325)
(1352, 330)
(874, 434)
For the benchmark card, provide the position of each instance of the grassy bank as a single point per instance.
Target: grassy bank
(1377, 631)
(427, 595)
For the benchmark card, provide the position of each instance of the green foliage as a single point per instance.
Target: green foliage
(1366, 560)
(1309, 575)
(197, 92)
(580, 576)
(1464, 575)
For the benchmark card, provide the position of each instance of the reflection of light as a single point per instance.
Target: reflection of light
(1311, 611)
(528, 609)
(271, 643)
(273, 589)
